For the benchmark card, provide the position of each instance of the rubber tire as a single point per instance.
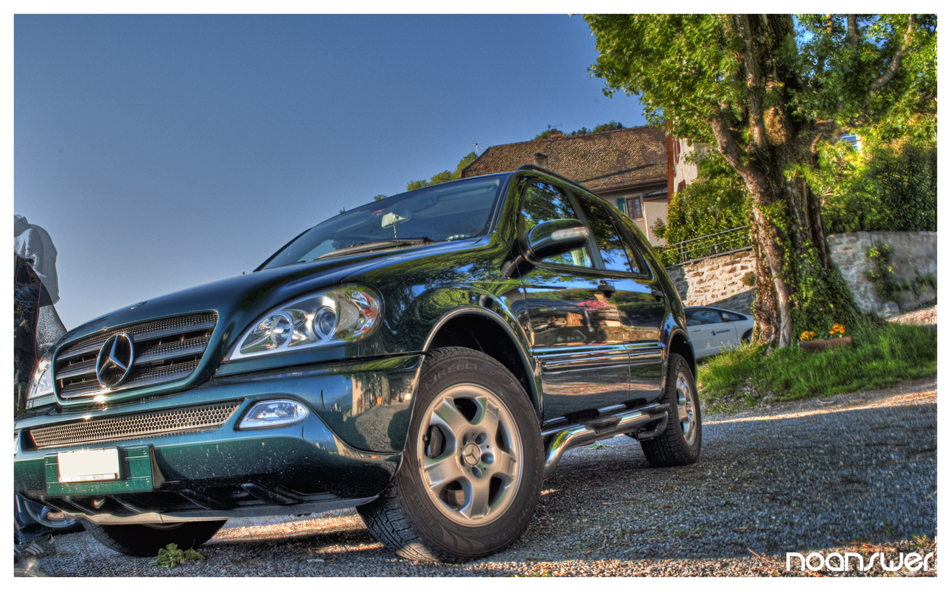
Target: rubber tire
(670, 448)
(403, 517)
(144, 540)
(747, 336)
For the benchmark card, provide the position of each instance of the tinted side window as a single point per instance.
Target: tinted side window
(695, 317)
(543, 203)
(607, 236)
(728, 317)
(635, 240)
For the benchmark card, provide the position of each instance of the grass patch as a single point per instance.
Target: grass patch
(881, 355)
(171, 556)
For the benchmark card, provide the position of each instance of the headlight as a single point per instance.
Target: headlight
(41, 384)
(339, 315)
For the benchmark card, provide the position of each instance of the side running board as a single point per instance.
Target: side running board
(647, 420)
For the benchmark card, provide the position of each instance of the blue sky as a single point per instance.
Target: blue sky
(162, 152)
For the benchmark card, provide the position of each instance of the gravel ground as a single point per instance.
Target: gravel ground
(924, 316)
(853, 473)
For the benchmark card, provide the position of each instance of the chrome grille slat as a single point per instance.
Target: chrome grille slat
(166, 351)
(77, 369)
(169, 422)
(138, 336)
(91, 347)
(195, 346)
(160, 374)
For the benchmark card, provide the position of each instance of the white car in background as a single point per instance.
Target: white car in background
(713, 330)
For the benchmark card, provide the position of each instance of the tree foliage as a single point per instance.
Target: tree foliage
(444, 176)
(551, 131)
(887, 186)
(766, 91)
(715, 202)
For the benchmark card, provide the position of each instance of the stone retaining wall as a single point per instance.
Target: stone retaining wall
(719, 281)
(716, 282)
(914, 251)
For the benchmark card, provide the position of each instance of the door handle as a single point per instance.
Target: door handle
(606, 288)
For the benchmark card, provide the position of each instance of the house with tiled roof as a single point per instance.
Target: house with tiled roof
(627, 167)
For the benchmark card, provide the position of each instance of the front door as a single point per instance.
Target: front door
(571, 317)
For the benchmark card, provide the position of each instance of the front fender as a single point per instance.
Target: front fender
(438, 307)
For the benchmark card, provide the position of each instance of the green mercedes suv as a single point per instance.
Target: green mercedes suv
(426, 359)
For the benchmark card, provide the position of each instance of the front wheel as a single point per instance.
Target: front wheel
(472, 466)
(145, 540)
(679, 444)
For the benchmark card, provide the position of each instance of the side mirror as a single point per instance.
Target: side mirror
(554, 238)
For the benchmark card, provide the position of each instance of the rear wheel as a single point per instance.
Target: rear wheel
(679, 444)
(472, 467)
(145, 540)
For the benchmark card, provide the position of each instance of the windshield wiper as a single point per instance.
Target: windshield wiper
(377, 245)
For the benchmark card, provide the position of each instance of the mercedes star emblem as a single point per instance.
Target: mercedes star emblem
(114, 363)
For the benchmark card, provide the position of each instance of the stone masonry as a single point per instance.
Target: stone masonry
(716, 282)
(719, 281)
(913, 251)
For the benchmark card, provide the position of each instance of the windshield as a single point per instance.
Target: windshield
(448, 211)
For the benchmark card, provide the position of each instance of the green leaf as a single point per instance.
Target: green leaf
(171, 556)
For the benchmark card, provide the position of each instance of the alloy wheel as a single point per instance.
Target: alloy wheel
(685, 409)
(469, 455)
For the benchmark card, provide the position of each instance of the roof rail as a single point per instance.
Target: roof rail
(536, 168)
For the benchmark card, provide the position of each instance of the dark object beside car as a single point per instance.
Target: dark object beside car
(426, 359)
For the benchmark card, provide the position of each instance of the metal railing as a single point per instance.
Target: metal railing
(711, 245)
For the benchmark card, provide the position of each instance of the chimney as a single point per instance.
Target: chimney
(541, 159)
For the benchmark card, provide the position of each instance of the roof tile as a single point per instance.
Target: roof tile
(599, 161)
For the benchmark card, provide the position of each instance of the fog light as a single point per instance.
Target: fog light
(273, 413)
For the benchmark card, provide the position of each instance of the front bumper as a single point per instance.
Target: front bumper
(345, 452)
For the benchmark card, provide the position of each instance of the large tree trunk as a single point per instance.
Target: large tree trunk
(766, 309)
(789, 238)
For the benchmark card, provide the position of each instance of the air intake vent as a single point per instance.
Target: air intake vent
(165, 351)
(169, 422)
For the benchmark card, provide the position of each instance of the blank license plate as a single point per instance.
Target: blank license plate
(88, 465)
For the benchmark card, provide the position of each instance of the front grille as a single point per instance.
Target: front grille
(156, 424)
(165, 351)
